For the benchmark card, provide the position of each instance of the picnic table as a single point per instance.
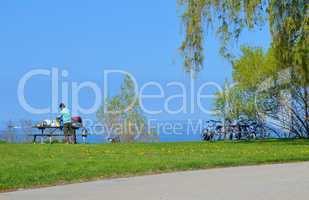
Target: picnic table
(50, 132)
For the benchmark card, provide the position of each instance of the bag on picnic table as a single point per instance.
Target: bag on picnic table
(48, 124)
(41, 124)
(77, 122)
(44, 124)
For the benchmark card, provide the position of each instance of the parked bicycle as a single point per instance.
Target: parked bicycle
(213, 130)
(241, 129)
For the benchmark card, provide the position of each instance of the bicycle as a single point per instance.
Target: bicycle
(214, 128)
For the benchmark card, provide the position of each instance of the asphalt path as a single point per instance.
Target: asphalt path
(267, 182)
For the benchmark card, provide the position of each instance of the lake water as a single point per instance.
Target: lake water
(173, 131)
(24, 138)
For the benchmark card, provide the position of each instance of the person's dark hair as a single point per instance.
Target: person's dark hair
(62, 105)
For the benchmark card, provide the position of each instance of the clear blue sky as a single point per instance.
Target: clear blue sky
(86, 37)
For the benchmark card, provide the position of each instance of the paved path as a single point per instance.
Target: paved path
(270, 182)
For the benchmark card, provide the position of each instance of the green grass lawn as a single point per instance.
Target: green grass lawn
(26, 165)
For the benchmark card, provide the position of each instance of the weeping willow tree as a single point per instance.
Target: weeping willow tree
(288, 21)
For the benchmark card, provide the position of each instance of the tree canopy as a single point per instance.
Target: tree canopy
(288, 21)
(263, 91)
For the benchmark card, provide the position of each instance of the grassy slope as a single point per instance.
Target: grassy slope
(24, 166)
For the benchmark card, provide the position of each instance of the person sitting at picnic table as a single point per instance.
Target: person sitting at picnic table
(66, 118)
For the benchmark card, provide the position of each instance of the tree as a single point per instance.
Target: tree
(9, 134)
(288, 21)
(265, 92)
(26, 127)
(289, 26)
(235, 102)
(253, 67)
(122, 114)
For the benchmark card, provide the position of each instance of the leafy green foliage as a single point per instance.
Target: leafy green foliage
(235, 102)
(122, 114)
(265, 90)
(288, 22)
(253, 67)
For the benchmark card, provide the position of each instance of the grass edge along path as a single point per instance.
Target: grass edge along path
(31, 166)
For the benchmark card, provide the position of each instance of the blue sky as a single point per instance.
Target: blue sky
(86, 37)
